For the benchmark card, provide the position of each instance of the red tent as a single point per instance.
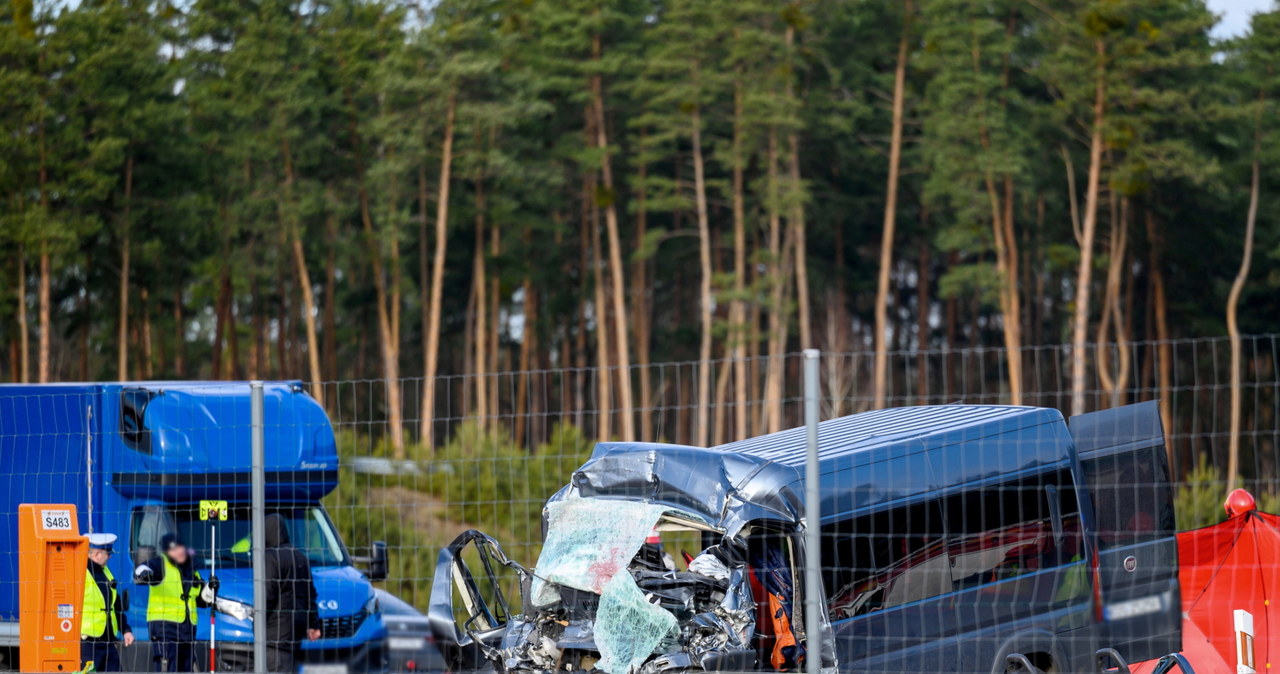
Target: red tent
(1224, 569)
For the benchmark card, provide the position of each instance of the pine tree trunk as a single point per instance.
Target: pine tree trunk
(223, 317)
(640, 309)
(495, 328)
(527, 345)
(706, 300)
(1102, 337)
(304, 277)
(122, 335)
(1164, 355)
(233, 330)
(880, 380)
(481, 361)
(1115, 266)
(258, 343)
(1084, 276)
(86, 322)
(42, 288)
(180, 335)
(738, 309)
(24, 330)
(46, 314)
(431, 328)
(617, 276)
(329, 317)
(772, 418)
(1233, 301)
(720, 407)
(922, 312)
(387, 346)
(797, 216)
(604, 395)
(147, 368)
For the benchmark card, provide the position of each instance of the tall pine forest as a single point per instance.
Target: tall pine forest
(398, 192)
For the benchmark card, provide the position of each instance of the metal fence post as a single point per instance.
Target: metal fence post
(813, 518)
(259, 529)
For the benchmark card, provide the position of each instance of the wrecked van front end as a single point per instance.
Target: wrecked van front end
(604, 595)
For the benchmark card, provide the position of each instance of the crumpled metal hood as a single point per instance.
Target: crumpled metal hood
(726, 489)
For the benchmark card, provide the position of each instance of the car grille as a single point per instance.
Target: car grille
(342, 627)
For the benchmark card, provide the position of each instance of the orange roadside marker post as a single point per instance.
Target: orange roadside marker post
(52, 556)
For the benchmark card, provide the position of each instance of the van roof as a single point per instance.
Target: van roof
(880, 434)
(867, 460)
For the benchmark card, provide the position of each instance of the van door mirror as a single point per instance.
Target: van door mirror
(378, 563)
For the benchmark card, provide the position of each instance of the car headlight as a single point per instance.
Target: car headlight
(234, 608)
(371, 606)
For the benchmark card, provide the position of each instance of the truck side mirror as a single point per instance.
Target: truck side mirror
(378, 564)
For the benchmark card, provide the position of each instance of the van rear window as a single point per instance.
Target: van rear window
(1132, 497)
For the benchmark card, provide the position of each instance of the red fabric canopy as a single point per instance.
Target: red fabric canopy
(1222, 568)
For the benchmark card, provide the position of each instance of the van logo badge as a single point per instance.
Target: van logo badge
(1130, 563)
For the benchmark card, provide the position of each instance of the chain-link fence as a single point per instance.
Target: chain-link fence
(955, 536)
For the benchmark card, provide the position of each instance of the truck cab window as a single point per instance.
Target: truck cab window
(309, 528)
(133, 429)
(149, 524)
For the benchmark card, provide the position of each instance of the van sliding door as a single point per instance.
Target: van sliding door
(1127, 471)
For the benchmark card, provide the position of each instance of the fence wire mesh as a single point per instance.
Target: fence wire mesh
(954, 536)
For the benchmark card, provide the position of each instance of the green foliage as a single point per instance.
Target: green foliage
(478, 479)
(1198, 501)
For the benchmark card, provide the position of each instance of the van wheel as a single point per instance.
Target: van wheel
(1043, 662)
(1030, 663)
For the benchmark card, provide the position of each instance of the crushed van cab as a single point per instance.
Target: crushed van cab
(603, 597)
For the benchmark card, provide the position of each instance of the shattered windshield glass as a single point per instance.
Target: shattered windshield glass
(609, 598)
(588, 542)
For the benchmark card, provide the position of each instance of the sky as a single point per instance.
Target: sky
(1235, 15)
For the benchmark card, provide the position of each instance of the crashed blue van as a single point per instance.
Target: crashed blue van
(955, 538)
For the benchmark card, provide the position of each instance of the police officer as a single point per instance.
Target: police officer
(104, 617)
(177, 589)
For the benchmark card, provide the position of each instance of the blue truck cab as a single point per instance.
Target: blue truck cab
(137, 458)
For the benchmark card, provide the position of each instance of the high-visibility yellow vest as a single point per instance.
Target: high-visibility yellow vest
(98, 613)
(165, 602)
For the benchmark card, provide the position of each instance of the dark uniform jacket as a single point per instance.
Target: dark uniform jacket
(291, 594)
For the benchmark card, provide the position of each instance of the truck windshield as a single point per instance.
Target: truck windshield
(309, 530)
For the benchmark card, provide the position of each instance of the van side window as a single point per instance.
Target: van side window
(885, 559)
(1132, 499)
(1013, 528)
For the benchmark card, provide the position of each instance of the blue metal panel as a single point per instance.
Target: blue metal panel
(199, 442)
(42, 460)
(883, 456)
(888, 433)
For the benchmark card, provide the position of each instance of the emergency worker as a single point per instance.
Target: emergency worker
(177, 589)
(103, 623)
